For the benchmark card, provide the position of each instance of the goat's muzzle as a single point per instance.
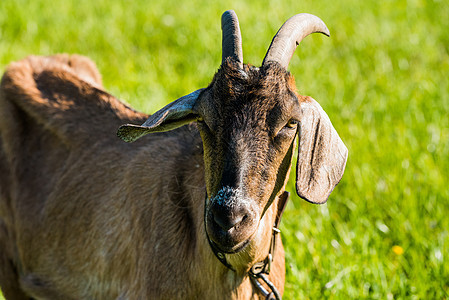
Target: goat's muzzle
(231, 220)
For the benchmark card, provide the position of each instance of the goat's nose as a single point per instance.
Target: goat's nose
(228, 221)
(228, 210)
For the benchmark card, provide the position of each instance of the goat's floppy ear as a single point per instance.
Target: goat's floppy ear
(174, 115)
(321, 156)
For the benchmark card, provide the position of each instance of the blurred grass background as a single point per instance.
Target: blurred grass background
(382, 78)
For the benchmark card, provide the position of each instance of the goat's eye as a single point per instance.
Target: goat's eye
(292, 123)
(288, 130)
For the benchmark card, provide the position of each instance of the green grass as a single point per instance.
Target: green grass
(382, 77)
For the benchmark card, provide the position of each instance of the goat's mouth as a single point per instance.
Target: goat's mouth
(229, 247)
(230, 240)
(236, 249)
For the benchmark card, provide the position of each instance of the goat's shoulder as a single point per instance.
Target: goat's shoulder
(54, 117)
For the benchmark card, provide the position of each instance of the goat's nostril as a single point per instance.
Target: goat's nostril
(227, 222)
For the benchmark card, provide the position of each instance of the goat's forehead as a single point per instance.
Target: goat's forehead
(257, 92)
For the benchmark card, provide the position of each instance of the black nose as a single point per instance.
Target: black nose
(228, 219)
(228, 209)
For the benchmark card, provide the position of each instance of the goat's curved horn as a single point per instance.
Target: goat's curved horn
(290, 35)
(232, 39)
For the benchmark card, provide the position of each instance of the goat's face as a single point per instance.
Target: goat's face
(248, 119)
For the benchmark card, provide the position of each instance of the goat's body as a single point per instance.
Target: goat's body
(67, 180)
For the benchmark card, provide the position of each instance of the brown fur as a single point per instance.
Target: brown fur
(85, 216)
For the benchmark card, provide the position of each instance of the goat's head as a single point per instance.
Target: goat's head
(248, 119)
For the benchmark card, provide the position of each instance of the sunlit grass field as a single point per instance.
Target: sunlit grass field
(382, 77)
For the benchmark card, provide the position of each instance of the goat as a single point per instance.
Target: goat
(184, 213)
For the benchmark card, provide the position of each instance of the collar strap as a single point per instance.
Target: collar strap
(264, 266)
(260, 269)
(218, 254)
